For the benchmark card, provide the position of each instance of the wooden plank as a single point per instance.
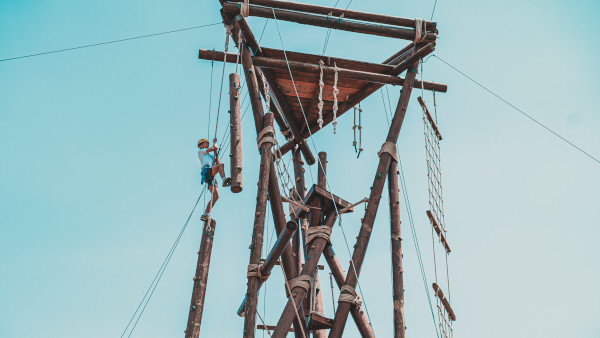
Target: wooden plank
(270, 327)
(317, 321)
(429, 118)
(440, 295)
(438, 230)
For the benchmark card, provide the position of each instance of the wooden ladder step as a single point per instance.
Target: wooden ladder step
(318, 321)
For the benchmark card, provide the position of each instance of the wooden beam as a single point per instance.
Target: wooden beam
(337, 12)
(200, 280)
(328, 22)
(235, 166)
(283, 241)
(438, 230)
(430, 118)
(362, 241)
(440, 295)
(397, 271)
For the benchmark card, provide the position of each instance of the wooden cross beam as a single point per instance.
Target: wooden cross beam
(329, 22)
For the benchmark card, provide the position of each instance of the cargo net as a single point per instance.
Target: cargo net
(445, 315)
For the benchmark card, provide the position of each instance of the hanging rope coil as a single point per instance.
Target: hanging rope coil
(390, 148)
(318, 232)
(321, 85)
(336, 91)
(265, 136)
(302, 281)
(350, 296)
(245, 8)
(254, 271)
(420, 30)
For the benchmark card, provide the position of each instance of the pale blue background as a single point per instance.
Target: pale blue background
(99, 169)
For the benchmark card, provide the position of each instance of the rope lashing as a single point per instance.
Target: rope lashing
(390, 148)
(254, 271)
(318, 232)
(321, 85)
(302, 281)
(349, 296)
(267, 94)
(228, 29)
(336, 91)
(265, 136)
(420, 30)
(245, 8)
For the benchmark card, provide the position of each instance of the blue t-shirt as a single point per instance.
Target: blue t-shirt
(206, 158)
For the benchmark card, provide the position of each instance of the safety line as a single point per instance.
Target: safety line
(517, 109)
(109, 42)
(160, 272)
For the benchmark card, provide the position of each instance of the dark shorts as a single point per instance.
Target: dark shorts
(207, 175)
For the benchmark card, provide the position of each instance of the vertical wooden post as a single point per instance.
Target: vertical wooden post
(299, 237)
(266, 160)
(397, 281)
(362, 241)
(236, 133)
(298, 293)
(322, 182)
(200, 280)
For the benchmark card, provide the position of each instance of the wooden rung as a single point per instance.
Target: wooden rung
(438, 230)
(433, 125)
(269, 327)
(318, 321)
(440, 295)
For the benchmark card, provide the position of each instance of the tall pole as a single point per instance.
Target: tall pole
(362, 241)
(262, 122)
(236, 133)
(322, 182)
(200, 279)
(397, 281)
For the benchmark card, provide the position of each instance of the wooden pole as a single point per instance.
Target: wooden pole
(282, 242)
(200, 281)
(298, 293)
(359, 316)
(337, 12)
(397, 280)
(236, 133)
(300, 237)
(329, 22)
(322, 182)
(266, 160)
(341, 315)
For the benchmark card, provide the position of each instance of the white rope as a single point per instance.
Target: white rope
(420, 30)
(245, 8)
(335, 92)
(321, 85)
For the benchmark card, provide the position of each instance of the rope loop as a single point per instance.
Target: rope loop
(318, 232)
(302, 281)
(390, 148)
(254, 271)
(349, 296)
(265, 136)
(420, 30)
(245, 8)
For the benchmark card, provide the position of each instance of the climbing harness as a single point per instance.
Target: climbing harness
(321, 85)
(336, 91)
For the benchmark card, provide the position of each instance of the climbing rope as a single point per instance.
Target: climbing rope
(359, 127)
(227, 35)
(336, 91)
(321, 85)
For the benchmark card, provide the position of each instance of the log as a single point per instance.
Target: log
(235, 166)
(323, 21)
(300, 238)
(359, 316)
(200, 281)
(266, 160)
(397, 271)
(337, 12)
(282, 242)
(341, 315)
(322, 182)
(298, 293)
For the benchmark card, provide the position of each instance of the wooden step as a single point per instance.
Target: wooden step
(318, 321)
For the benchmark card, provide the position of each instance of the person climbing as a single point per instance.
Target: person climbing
(211, 165)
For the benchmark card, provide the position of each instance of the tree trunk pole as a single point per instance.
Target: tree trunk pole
(298, 293)
(322, 182)
(341, 315)
(299, 238)
(266, 160)
(397, 281)
(200, 280)
(236, 133)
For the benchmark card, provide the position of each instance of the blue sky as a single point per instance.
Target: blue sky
(99, 169)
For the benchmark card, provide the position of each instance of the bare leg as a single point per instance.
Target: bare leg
(213, 199)
(219, 168)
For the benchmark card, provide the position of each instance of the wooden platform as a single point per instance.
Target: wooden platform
(326, 197)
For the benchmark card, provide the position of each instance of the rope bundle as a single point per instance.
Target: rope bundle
(318, 232)
(321, 85)
(420, 30)
(254, 271)
(265, 136)
(350, 296)
(302, 281)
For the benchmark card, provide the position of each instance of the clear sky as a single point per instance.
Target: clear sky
(99, 169)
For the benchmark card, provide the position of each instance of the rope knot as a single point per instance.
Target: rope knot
(348, 295)
(302, 281)
(318, 232)
(254, 271)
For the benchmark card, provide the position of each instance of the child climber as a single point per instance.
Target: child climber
(210, 167)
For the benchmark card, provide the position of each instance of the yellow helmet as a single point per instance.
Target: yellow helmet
(200, 141)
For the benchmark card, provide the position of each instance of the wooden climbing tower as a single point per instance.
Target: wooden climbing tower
(301, 93)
